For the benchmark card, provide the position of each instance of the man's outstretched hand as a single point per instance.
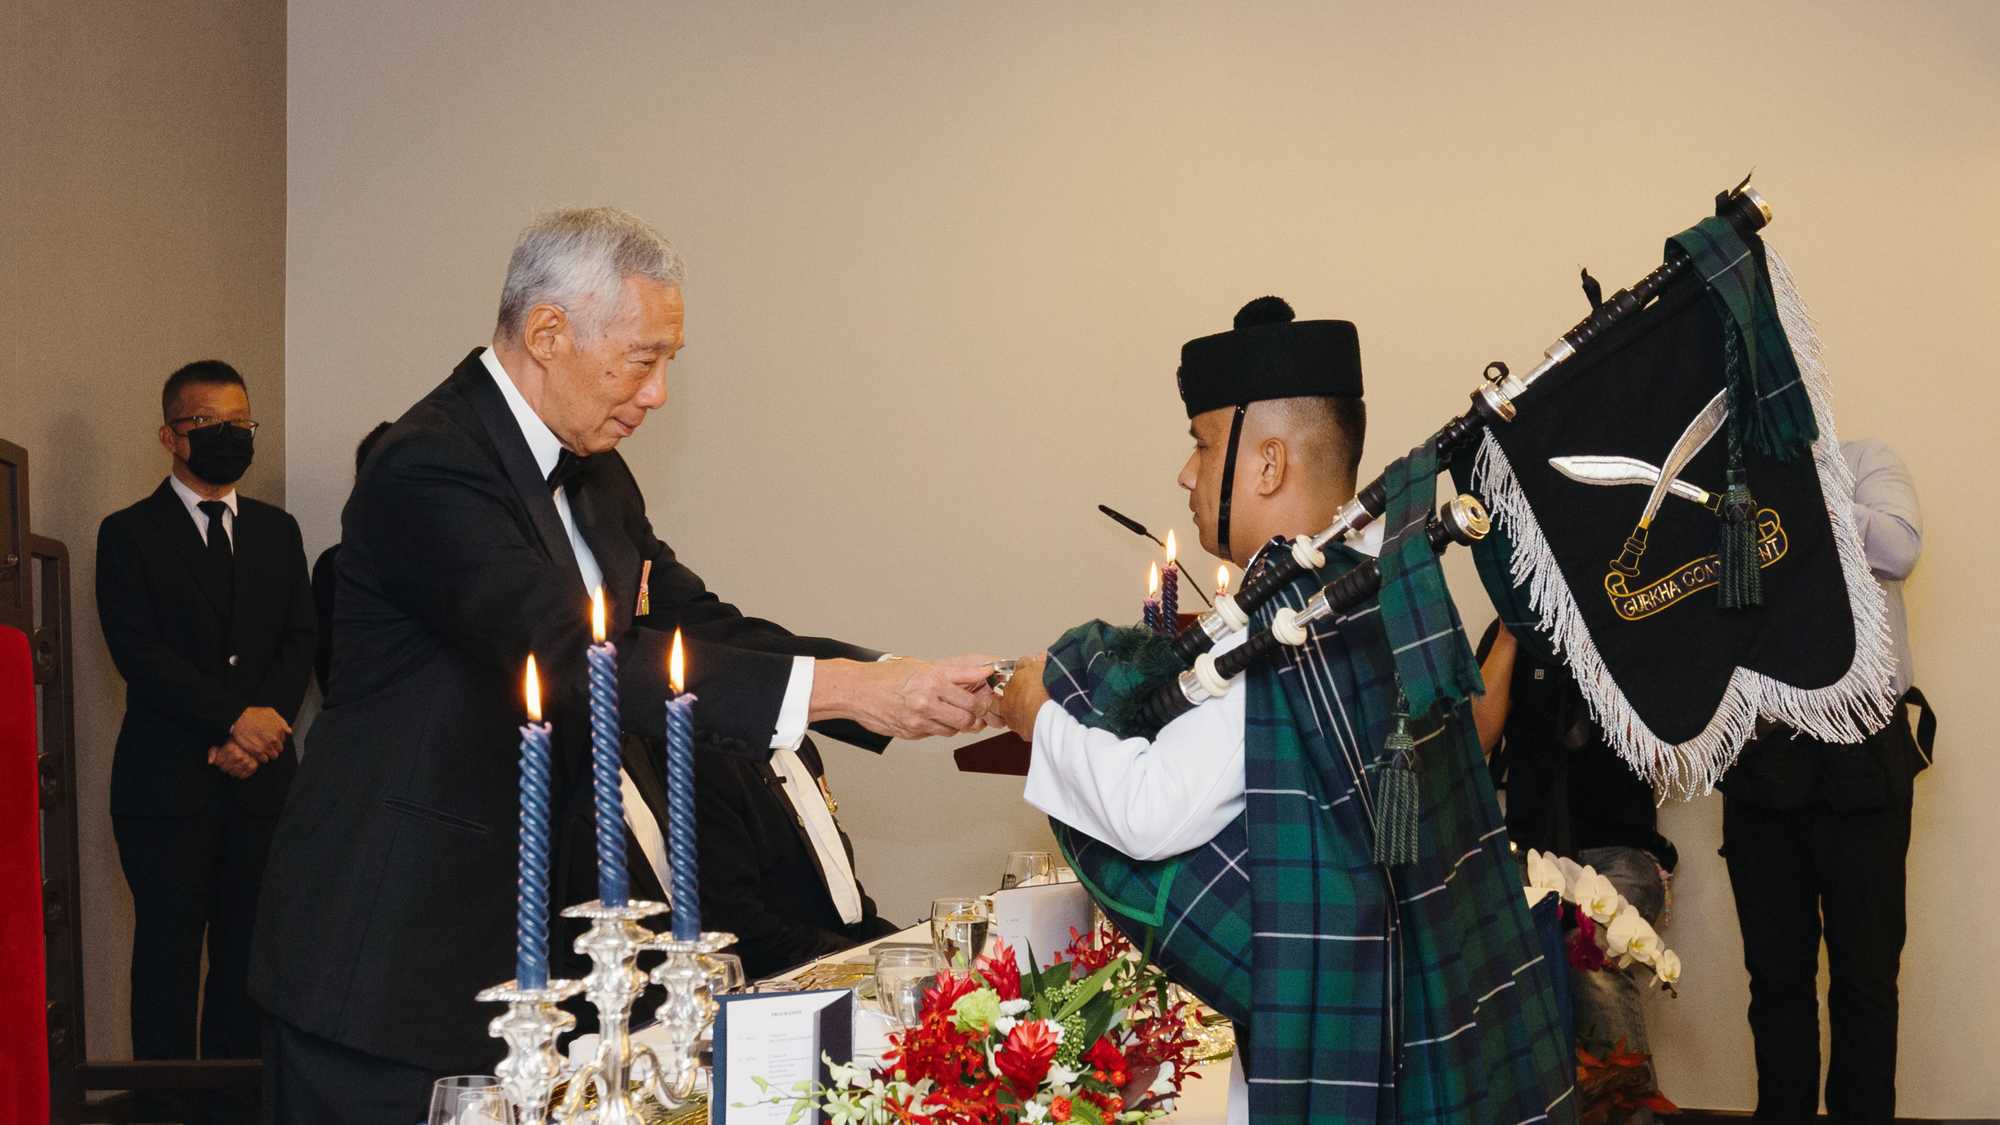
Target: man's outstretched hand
(905, 698)
(1024, 698)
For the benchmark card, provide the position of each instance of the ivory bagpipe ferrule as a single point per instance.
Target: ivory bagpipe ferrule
(1463, 519)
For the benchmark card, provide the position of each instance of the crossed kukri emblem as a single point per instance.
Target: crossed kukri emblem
(1664, 479)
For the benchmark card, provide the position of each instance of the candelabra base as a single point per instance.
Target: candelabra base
(687, 1011)
(612, 943)
(530, 1027)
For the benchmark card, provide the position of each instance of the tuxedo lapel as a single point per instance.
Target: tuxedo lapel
(476, 384)
(180, 538)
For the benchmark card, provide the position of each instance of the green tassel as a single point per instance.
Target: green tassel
(1742, 581)
(1396, 799)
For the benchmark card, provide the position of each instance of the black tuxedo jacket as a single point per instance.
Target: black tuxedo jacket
(760, 878)
(389, 898)
(194, 656)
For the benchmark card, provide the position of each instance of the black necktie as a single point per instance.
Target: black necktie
(218, 535)
(568, 465)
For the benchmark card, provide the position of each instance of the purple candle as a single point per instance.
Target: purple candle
(1152, 605)
(531, 901)
(680, 800)
(613, 889)
(1170, 591)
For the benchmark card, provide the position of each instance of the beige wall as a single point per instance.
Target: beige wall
(942, 257)
(142, 225)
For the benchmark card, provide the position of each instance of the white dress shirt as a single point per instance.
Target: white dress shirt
(545, 447)
(1149, 798)
(193, 500)
(1158, 797)
(1892, 534)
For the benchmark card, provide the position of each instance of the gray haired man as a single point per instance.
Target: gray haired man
(472, 539)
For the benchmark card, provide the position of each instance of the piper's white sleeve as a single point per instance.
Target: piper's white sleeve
(1147, 798)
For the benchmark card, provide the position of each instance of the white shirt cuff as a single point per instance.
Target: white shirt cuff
(791, 729)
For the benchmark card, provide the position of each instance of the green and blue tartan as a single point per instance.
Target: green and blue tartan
(1779, 419)
(1425, 635)
(1360, 993)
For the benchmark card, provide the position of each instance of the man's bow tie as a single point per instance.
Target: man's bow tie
(568, 465)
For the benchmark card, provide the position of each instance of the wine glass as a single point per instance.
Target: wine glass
(901, 975)
(725, 973)
(958, 929)
(470, 1099)
(1027, 869)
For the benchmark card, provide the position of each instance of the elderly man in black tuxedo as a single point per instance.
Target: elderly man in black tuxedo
(473, 535)
(202, 595)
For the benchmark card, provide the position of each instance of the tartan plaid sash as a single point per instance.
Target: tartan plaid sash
(1360, 994)
(1779, 412)
(1424, 633)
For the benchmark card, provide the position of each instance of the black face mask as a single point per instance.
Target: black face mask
(220, 454)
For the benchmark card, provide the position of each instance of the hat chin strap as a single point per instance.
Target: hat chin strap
(1229, 481)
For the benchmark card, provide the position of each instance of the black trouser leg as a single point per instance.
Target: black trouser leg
(1862, 855)
(169, 864)
(314, 1081)
(230, 1021)
(1775, 881)
(231, 1024)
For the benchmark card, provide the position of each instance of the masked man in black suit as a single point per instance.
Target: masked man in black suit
(203, 598)
(472, 536)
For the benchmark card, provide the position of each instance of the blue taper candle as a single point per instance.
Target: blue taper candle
(681, 850)
(613, 888)
(531, 902)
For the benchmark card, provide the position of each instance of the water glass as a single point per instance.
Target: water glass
(1027, 869)
(958, 929)
(470, 1099)
(725, 973)
(901, 976)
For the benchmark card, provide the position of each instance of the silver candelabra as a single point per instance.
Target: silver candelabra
(533, 1023)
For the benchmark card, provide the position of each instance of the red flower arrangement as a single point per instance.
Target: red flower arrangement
(1088, 1038)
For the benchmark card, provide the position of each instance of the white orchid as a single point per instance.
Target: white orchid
(1668, 967)
(1596, 897)
(1620, 933)
(1572, 871)
(1545, 875)
(1645, 946)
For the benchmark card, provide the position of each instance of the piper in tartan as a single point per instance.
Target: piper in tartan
(1239, 842)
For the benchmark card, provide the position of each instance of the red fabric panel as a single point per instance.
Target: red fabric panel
(24, 1033)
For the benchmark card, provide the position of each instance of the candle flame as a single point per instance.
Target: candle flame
(1152, 580)
(1173, 550)
(677, 666)
(1222, 579)
(532, 689)
(597, 614)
